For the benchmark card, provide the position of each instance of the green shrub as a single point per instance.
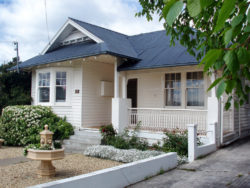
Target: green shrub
(21, 125)
(123, 140)
(108, 133)
(176, 142)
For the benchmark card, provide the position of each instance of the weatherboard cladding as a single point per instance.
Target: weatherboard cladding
(149, 50)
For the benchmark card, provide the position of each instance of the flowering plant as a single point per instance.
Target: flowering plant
(21, 125)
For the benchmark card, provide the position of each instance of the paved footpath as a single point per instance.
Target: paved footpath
(229, 167)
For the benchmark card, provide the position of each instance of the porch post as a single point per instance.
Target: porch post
(212, 106)
(213, 89)
(124, 86)
(116, 80)
(119, 105)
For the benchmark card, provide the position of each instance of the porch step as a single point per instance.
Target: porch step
(82, 138)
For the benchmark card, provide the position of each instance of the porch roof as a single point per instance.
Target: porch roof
(148, 50)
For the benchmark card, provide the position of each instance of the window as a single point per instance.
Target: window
(60, 86)
(173, 89)
(44, 87)
(195, 89)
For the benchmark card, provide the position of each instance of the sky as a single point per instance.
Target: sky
(25, 21)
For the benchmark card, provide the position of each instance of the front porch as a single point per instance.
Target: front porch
(164, 99)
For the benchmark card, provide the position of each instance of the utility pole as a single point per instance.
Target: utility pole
(17, 56)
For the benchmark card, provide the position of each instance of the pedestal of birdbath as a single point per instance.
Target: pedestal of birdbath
(1, 142)
(46, 168)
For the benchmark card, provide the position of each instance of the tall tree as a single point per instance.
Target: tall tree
(14, 88)
(216, 32)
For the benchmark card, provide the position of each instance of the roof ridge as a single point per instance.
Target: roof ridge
(98, 26)
(146, 33)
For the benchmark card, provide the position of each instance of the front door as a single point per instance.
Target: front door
(132, 91)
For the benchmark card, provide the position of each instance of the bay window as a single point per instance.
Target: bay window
(44, 87)
(173, 89)
(53, 86)
(195, 89)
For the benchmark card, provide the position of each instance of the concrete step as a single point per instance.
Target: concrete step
(81, 140)
(85, 137)
(87, 133)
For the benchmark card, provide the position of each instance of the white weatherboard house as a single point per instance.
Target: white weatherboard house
(95, 76)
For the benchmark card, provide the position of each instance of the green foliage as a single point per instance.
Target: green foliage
(217, 33)
(14, 87)
(176, 142)
(30, 146)
(108, 133)
(174, 12)
(21, 125)
(124, 140)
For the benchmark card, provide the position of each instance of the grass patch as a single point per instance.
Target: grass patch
(240, 175)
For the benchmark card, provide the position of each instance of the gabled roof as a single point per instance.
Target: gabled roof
(149, 50)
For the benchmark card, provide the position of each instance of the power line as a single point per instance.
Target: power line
(46, 19)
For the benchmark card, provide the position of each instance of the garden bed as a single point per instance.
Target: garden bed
(23, 174)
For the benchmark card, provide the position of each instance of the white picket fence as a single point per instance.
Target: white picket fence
(161, 119)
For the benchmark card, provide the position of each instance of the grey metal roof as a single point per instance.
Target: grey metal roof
(154, 51)
(149, 50)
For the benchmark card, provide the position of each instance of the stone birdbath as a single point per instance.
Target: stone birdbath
(1, 142)
(46, 168)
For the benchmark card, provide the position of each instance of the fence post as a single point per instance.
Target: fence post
(192, 142)
(211, 134)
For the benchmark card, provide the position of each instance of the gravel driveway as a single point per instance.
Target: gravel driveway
(23, 174)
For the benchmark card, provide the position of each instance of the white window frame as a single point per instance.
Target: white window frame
(183, 88)
(165, 89)
(204, 91)
(66, 84)
(39, 87)
(52, 71)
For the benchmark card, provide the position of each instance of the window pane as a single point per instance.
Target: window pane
(173, 76)
(195, 97)
(63, 74)
(173, 97)
(60, 94)
(58, 74)
(167, 77)
(44, 94)
(178, 76)
(57, 81)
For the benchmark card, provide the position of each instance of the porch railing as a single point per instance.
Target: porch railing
(158, 119)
